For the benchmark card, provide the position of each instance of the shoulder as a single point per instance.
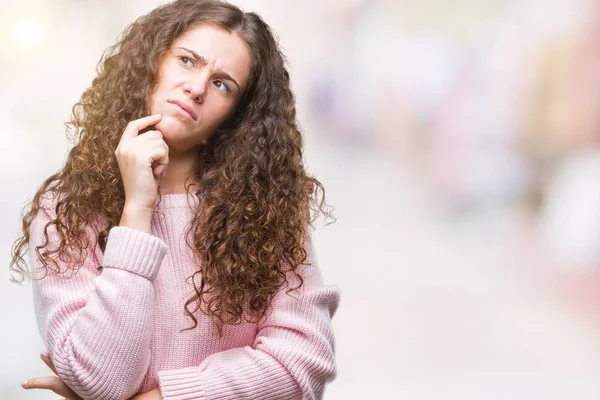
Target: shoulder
(50, 200)
(52, 238)
(53, 219)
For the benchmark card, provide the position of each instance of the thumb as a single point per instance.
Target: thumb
(160, 170)
(48, 362)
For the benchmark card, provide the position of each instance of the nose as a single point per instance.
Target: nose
(195, 87)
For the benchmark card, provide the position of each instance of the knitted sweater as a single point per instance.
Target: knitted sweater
(112, 329)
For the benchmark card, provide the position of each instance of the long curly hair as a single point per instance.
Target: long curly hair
(255, 196)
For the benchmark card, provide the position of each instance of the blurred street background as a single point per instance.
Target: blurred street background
(459, 144)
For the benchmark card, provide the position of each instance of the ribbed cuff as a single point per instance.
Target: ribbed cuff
(181, 384)
(135, 251)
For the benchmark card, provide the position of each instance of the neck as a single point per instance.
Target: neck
(179, 172)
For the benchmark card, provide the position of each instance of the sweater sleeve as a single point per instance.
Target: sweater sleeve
(97, 325)
(292, 356)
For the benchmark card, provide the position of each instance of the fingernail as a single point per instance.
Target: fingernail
(44, 353)
(24, 384)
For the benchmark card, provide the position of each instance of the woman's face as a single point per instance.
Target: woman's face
(200, 80)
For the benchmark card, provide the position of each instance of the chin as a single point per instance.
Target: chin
(172, 128)
(177, 135)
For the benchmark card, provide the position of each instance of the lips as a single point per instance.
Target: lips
(185, 108)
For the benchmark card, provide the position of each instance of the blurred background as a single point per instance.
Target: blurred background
(459, 143)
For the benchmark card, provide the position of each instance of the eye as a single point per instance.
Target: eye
(187, 61)
(222, 86)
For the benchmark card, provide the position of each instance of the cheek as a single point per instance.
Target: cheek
(220, 109)
(162, 85)
(155, 98)
(156, 106)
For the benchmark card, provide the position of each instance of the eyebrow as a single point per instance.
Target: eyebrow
(221, 73)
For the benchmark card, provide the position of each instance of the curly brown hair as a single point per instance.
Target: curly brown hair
(256, 198)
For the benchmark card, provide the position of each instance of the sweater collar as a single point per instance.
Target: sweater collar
(176, 200)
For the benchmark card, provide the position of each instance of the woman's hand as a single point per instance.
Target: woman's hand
(154, 394)
(56, 384)
(53, 383)
(142, 158)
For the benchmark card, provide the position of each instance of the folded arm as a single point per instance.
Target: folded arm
(97, 325)
(292, 356)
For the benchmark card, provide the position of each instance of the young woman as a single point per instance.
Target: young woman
(172, 254)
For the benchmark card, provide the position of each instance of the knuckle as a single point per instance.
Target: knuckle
(157, 134)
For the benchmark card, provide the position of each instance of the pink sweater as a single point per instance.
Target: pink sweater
(112, 329)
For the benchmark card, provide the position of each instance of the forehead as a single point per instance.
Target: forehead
(226, 50)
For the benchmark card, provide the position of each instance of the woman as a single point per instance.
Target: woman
(198, 280)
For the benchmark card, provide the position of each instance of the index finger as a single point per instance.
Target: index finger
(135, 126)
(43, 382)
